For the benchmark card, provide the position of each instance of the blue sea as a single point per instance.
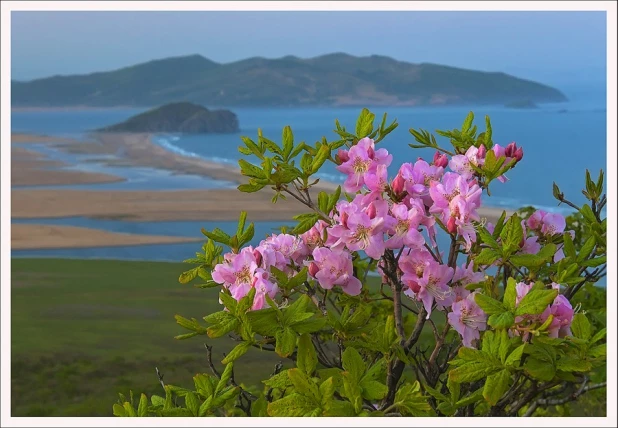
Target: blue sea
(560, 142)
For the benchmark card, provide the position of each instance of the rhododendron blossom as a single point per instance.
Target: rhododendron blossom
(468, 319)
(362, 160)
(332, 268)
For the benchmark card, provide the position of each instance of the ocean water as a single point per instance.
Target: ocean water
(560, 141)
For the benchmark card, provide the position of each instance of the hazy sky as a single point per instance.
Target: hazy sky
(552, 47)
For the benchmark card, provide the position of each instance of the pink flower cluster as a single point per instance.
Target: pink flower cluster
(250, 268)
(398, 215)
(560, 309)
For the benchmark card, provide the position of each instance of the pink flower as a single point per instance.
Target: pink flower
(468, 319)
(315, 236)
(462, 164)
(405, 230)
(433, 286)
(334, 268)
(291, 249)
(563, 312)
(413, 264)
(362, 159)
(466, 275)
(553, 224)
(240, 272)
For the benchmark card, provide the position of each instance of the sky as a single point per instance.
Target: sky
(566, 48)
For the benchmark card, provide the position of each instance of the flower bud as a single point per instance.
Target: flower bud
(258, 257)
(398, 184)
(414, 286)
(371, 152)
(371, 211)
(518, 154)
(510, 150)
(343, 218)
(313, 269)
(451, 225)
(440, 159)
(342, 156)
(481, 152)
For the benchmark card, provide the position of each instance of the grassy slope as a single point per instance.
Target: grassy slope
(84, 330)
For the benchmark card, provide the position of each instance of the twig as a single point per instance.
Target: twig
(269, 393)
(210, 363)
(160, 376)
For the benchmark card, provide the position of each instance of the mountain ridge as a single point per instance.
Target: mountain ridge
(335, 79)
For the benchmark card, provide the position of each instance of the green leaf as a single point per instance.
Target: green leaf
(510, 294)
(580, 326)
(203, 385)
(288, 142)
(280, 381)
(250, 170)
(319, 159)
(364, 124)
(569, 248)
(487, 256)
(373, 390)
(225, 377)
(307, 359)
(411, 401)
(535, 302)
(515, 357)
(496, 385)
(573, 364)
(511, 235)
(598, 351)
(527, 260)
(541, 370)
(119, 410)
(340, 408)
(353, 363)
(487, 238)
(465, 127)
(188, 276)
(599, 335)
(192, 403)
(259, 408)
(250, 188)
(470, 372)
(253, 147)
(238, 351)
(488, 305)
(501, 321)
(586, 249)
(229, 323)
(303, 384)
(157, 400)
(488, 132)
(286, 342)
(293, 405)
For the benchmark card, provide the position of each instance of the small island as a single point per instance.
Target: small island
(522, 104)
(181, 117)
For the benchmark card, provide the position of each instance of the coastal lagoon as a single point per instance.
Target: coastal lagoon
(560, 141)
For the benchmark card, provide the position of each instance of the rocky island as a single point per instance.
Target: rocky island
(181, 117)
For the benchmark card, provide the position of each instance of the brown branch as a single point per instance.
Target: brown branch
(160, 376)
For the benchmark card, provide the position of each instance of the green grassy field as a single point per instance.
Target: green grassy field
(84, 330)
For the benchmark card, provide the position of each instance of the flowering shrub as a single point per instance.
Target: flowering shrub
(374, 316)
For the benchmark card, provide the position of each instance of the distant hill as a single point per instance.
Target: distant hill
(329, 80)
(184, 117)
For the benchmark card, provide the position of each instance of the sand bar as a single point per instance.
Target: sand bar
(138, 149)
(37, 236)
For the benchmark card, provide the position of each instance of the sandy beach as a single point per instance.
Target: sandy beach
(32, 168)
(37, 236)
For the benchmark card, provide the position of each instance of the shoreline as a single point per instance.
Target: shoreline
(43, 237)
(138, 150)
